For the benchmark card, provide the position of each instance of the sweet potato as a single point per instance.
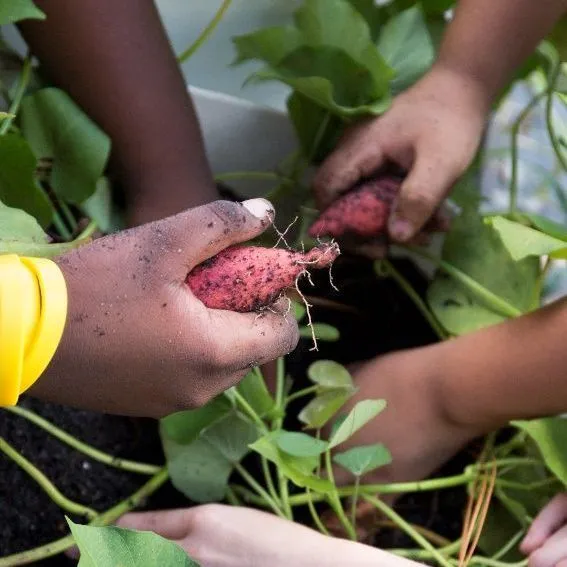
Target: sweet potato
(362, 212)
(250, 278)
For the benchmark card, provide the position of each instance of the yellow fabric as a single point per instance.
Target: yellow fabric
(33, 310)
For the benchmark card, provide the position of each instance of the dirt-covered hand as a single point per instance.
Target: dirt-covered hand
(137, 341)
(431, 131)
(216, 535)
(546, 541)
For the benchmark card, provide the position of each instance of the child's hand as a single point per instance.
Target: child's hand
(216, 535)
(432, 131)
(137, 341)
(546, 540)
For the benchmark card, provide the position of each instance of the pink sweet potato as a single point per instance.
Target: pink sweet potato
(362, 212)
(249, 278)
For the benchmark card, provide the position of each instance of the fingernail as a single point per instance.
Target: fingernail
(260, 208)
(400, 229)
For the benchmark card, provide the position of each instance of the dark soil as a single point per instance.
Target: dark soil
(385, 320)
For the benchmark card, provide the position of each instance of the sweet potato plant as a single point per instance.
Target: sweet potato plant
(343, 60)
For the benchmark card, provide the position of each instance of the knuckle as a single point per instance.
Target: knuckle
(230, 215)
(418, 200)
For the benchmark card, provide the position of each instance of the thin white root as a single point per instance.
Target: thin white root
(308, 312)
(281, 235)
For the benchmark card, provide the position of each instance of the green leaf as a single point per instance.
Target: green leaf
(297, 469)
(476, 249)
(330, 374)
(299, 444)
(270, 45)
(363, 412)
(18, 185)
(21, 234)
(328, 57)
(331, 78)
(362, 460)
(522, 241)
(336, 23)
(185, 426)
(99, 207)
(201, 469)
(323, 407)
(323, 332)
(549, 434)
(318, 131)
(57, 128)
(546, 225)
(12, 11)
(111, 547)
(407, 47)
(254, 391)
(372, 14)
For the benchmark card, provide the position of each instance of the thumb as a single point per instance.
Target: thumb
(170, 524)
(546, 523)
(426, 185)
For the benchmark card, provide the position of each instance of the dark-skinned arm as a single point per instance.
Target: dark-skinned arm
(115, 60)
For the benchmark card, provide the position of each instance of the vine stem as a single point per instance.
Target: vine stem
(300, 393)
(94, 454)
(494, 301)
(514, 132)
(18, 96)
(104, 519)
(335, 501)
(394, 488)
(205, 34)
(316, 518)
(413, 295)
(259, 489)
(88, 232)
(408, 529)
(277, 425)
(46, 485)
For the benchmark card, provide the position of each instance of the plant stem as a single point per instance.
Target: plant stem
(551, 129)
(104, 519)
(355, 502)
(71, 221)
(492, 300)
(514, 132)
(18, 96)
(276, 425)
(335, 502)
(316, 519)
(88, 232)
(487, 562)
(424, 554)
(300, 393)
(269, 480)
(61, 228)
(259, 489)
(408, 529)
(94, 454)
(509, 545)
(394, 488)
(249, 411)
(413, 295)
(45, 484)
(204, 35)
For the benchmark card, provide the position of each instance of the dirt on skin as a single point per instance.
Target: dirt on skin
(374, 317)
(251, 278)
(362, 212)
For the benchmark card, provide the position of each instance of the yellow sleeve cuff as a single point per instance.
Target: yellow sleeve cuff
(33, 310)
